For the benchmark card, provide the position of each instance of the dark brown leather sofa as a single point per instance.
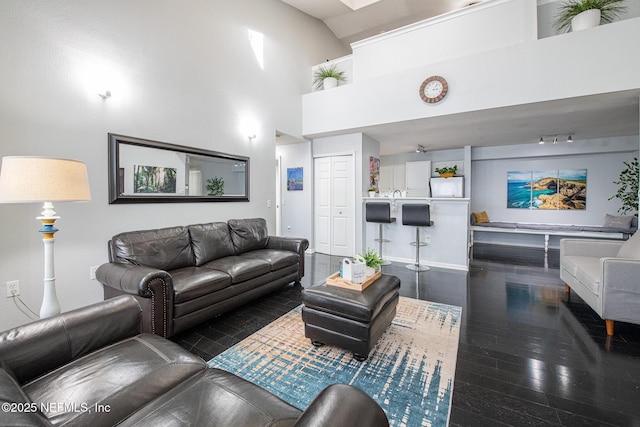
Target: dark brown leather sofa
(185, 275)
(93, 367)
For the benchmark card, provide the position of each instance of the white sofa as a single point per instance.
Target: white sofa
(606, 275)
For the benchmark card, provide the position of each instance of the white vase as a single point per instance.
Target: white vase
(329, 82)
(587, 19)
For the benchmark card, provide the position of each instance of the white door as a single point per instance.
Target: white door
(334, 205)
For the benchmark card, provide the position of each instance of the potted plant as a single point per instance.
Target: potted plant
(372, 260)
(581, 14)
(628, 187)
(447, 171)
(327, 77)
(372, 191)
(215, 186)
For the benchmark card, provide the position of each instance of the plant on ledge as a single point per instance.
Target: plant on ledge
(447, 171)
(327, 72)
(628, 187)
(215, 186)
(609, 11)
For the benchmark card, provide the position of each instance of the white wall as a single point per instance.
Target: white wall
(179, 72)
(490, 25)
(601, 157)
(297, 206)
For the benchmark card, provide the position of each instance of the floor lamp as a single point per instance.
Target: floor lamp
(44, 180)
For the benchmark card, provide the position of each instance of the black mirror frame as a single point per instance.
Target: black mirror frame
(114, 165)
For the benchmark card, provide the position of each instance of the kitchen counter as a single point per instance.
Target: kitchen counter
(447, 239)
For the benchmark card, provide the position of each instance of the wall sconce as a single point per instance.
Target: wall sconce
(105, 95)
(252, 137)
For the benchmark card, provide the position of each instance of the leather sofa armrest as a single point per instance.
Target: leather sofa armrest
(152, 288)
(295, 244)
(341, 405)
(132, 279)
(38, 347)
(589, 247)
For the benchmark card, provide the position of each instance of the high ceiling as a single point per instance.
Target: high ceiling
(601, 116)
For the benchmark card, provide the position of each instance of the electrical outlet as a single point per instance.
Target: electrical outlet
(92, 272)
(13, 288)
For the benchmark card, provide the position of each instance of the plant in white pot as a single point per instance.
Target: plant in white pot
(327, 77)
(372, 260)
(581, 14)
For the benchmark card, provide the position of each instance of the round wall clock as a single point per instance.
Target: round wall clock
(433, 89)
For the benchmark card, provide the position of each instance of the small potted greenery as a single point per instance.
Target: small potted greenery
(447, 171)
(327, 77)
(215, 186)
(372, 191)
(372, 260)
(581, 14)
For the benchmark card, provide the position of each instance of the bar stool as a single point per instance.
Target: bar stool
(418, 216)
(379, 212)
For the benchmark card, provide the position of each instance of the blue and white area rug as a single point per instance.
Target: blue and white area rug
(409, 373)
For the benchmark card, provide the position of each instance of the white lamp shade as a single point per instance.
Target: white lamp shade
(39, 179)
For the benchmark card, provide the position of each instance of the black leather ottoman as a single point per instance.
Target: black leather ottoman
(349, 319)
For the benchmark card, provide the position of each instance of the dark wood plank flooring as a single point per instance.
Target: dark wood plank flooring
(528, 355)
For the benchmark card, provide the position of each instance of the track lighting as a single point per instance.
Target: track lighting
(420, 149)
(554, 138)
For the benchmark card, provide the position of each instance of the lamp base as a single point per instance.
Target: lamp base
(50, 305)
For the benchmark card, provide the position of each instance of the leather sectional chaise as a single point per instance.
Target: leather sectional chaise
(93, 367)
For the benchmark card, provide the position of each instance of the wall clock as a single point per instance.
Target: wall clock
(433, 89)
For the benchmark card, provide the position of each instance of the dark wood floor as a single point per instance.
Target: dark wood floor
(528, 355)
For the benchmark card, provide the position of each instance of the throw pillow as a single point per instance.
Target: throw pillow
(481, 217)
(631, 248)
(614, 221)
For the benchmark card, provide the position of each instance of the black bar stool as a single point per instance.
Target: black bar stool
(379, 212)
(418, 216)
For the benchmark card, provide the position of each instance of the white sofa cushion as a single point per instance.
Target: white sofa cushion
(571, 263)
(631, 248)
(589, 275)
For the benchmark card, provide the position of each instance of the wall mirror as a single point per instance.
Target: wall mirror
(144, 171)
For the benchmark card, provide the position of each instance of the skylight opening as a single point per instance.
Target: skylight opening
(358, 4)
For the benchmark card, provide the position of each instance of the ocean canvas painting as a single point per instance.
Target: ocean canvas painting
(547, 189)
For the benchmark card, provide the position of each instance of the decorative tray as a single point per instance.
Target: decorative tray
(336, 280)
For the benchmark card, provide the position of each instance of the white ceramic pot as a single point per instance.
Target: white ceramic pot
(587, 19)
(372, 194)
(369, 271)
(329, 82)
